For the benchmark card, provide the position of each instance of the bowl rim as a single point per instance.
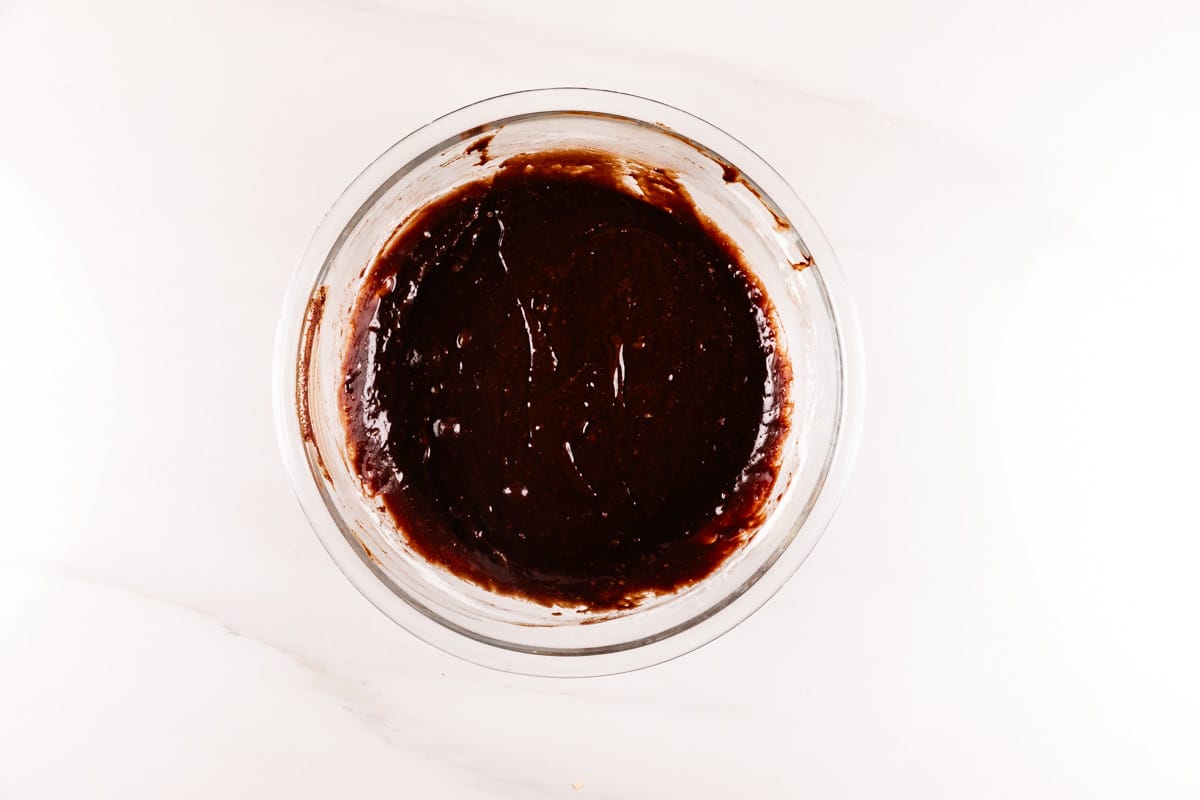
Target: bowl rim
(378, 587)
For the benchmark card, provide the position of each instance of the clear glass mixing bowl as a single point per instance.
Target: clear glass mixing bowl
(781, 242)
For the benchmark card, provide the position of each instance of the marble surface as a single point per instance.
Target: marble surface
(1005, 605)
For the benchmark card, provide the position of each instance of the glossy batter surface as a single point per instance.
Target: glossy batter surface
(564, 387)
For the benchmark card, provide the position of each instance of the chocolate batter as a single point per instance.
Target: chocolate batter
(564, 388)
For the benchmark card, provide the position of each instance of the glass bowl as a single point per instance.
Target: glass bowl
(781, 243)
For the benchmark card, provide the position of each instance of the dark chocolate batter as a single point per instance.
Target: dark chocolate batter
(564, 388)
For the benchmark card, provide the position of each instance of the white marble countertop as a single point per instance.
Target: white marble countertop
(1005, 605)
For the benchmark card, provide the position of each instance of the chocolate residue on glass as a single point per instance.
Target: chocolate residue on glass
(480, 146)
(563, 384)
(312, 320)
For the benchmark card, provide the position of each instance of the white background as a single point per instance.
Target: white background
(1006, 605)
